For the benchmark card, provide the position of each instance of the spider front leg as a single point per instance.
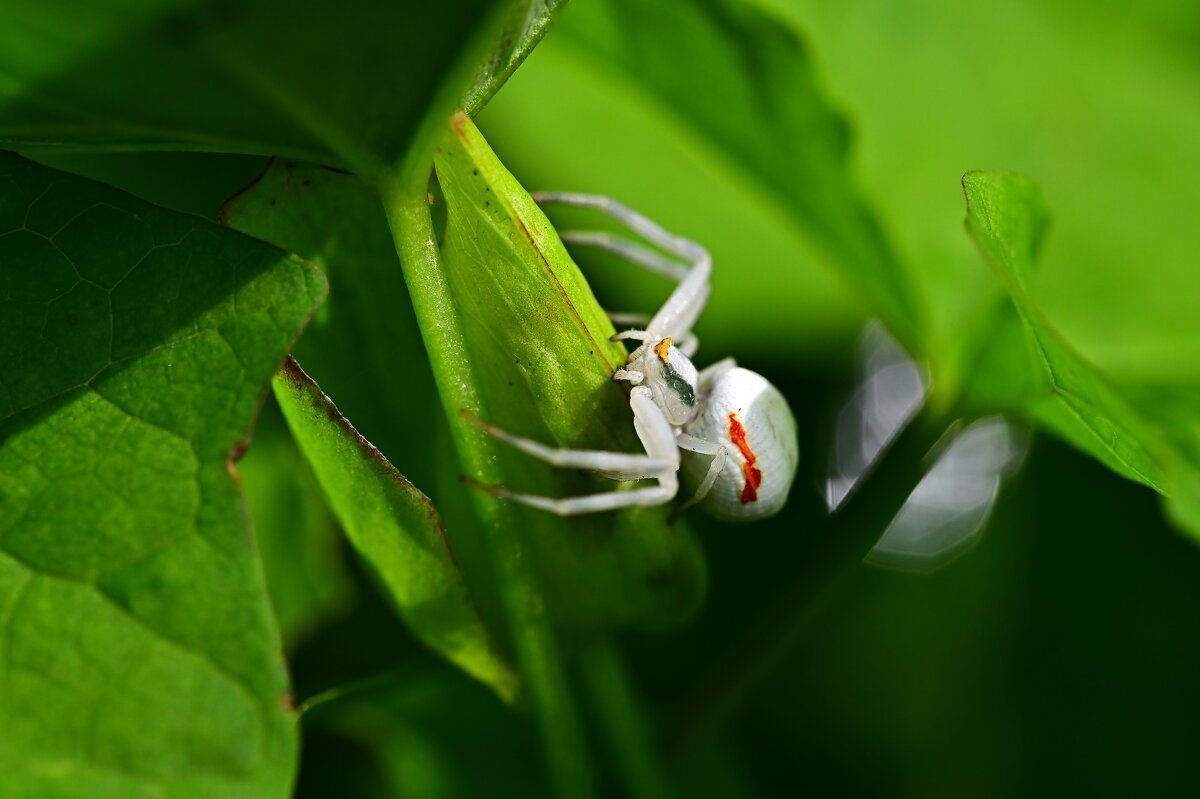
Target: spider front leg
(660, 462)
(683, 307)
(718, 454)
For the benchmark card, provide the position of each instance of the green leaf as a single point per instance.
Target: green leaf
(1007, 218)
(539, 351)
(527, 23)
(298, 539)
(343, 83)
(741, 79)
(936, 91)
(139, 656)
(395, 527)
(1027, 367)
(363, 346)
(1176, 410)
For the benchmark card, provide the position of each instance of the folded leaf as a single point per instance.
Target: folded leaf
(541, 357)
(139, 656)
(395, 527)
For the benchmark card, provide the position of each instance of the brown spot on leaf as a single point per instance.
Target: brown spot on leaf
(236, 453)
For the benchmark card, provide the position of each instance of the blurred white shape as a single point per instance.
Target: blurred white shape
(891, 389)
(946, 512)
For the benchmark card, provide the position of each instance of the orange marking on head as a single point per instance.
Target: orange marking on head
(737, 434)
(663, 348)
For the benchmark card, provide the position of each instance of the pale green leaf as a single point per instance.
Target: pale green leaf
(1155, 440)
(540, 354)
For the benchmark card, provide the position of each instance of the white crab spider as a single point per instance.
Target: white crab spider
(728, 430)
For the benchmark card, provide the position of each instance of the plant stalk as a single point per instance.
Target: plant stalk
(624, 725)
(532, 635)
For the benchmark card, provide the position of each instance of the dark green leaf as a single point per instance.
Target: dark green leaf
(341, 83)
(740, 78)
(363, 347)
(428, 733)
(527, 23)
(139, 655)
(543, 363)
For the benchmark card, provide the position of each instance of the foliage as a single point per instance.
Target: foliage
(143, 616)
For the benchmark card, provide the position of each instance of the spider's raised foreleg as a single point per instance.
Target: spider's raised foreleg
(679, 313)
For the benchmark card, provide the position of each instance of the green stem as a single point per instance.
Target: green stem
(533, 638)
(623, 724)
(822, 576)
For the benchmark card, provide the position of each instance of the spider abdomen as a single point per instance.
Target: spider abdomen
(748, 416)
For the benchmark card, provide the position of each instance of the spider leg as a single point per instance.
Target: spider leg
(632, 375)
(679, 313)
(601, 461)
(624, 248)
(643, 226)
(660, 462)
(681, 310)
(702, 447)
(591, 503)
(637, 320)
(687, 343)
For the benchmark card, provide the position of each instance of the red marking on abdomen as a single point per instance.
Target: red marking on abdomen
(737, 434)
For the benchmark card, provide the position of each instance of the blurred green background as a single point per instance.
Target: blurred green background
(1059, 655)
